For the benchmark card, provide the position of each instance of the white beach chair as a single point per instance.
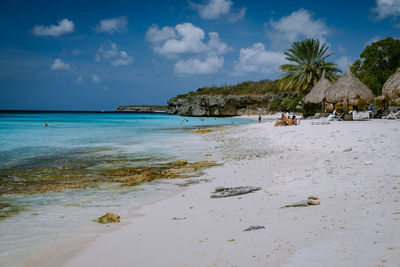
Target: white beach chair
(360, 116)
(391, 115)
(322, 120)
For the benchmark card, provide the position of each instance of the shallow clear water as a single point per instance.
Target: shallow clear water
(82, 144)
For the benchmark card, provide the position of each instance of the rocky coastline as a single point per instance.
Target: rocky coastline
(142, 109)
(221, 106)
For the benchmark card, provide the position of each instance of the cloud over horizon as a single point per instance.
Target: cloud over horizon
(64, 26)
(209, 65)
(112, 25)
(186, 39)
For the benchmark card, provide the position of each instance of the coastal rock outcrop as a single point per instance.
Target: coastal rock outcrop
(219, 105)
(143, 109)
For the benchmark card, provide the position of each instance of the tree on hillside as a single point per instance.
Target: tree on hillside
(377, 63)
(308, 58)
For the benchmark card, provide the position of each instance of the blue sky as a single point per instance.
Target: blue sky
(96, 55)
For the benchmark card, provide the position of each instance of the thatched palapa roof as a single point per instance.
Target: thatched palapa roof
(348, 89)
(317, 93)
(391, 88)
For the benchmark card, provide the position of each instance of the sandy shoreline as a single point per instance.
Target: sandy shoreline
(353, 167)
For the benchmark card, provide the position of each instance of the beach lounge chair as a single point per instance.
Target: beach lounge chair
(360, 116)
(322, 120)
(391, 115)
(338, 118)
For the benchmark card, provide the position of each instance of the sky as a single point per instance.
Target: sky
(97, 55)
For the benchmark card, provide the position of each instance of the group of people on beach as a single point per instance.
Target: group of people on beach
(286, 120)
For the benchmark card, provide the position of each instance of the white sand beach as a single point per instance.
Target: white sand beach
(353, 167)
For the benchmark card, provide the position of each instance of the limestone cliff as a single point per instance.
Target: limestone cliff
(219, 105)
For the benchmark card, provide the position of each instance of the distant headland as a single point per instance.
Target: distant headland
(142, 109)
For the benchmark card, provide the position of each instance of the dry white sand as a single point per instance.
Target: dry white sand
(353, 167)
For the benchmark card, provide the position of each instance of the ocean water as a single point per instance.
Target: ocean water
(44, 203)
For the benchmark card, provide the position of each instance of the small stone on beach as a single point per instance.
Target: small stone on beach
(313, 202)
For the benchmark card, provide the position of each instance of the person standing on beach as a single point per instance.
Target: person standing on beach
(259, 117)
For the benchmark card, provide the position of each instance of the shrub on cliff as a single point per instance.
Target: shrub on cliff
(249, 87)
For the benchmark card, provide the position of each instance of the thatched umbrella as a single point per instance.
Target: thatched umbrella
(348, 90)
(391, 88)
(317, 93)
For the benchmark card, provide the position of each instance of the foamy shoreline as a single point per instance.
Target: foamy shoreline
(351, 166)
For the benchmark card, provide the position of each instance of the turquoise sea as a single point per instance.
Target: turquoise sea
(43, 205)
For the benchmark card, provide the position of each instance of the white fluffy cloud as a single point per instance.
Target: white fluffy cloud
(386, 8)
(214, 9)
(184, 38)
(209, 65)
(112, 25)
(58, 64)
(95, 78)
(188, 40)
(64, 26)
(300, 24)
(110, 53)
(256, 59)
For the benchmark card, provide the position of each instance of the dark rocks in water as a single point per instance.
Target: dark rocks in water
(233, 191)
(178, 162)
(251, 228)
(108, 218)
(38, 180)
(4, 205)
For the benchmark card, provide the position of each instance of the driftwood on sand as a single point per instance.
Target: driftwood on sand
(233, 191)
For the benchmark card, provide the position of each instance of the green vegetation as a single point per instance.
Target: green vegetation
(309, 58)
(282, 101)
(290, 103)
(377, 63)
(308, 62)
(257, 88)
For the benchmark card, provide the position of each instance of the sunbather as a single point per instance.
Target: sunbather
(294, 119)
(281, 121)
(289, 121)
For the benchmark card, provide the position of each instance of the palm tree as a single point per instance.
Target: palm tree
(309, 57)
